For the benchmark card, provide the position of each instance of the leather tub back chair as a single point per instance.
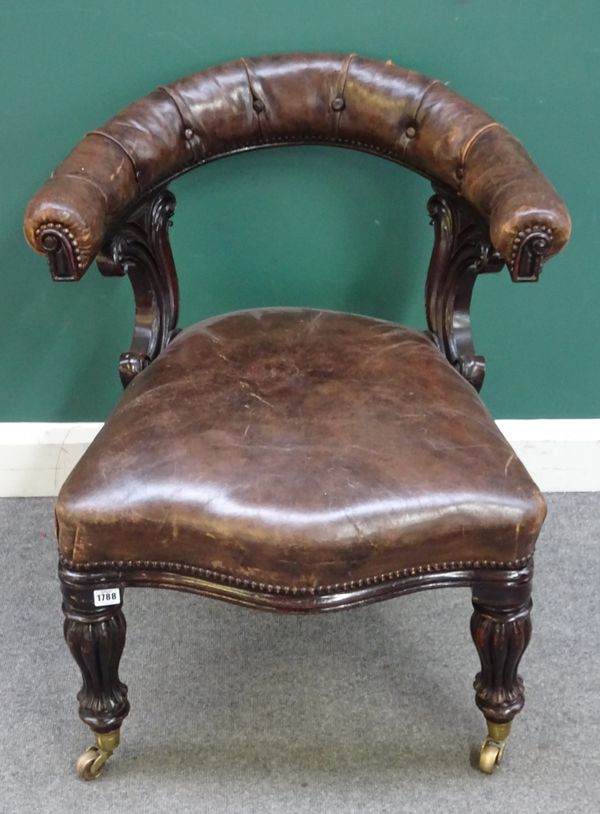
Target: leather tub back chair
(298, 460)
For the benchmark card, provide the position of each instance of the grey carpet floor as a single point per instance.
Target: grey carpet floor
(363, 711)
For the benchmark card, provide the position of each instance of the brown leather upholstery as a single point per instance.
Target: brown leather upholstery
(303, 98)
(300, 448)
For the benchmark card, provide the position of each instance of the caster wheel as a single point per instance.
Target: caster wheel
(90, 764)
(490, 756)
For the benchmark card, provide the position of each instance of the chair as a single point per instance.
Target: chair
(298, 460)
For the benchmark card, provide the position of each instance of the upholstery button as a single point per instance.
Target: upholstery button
(258, 105)
(188, 133)
(338, 104)
(411, 131)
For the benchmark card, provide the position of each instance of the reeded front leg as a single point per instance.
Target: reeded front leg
(501, 629)
(96, 638)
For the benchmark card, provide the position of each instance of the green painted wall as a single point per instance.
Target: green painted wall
(310, 226)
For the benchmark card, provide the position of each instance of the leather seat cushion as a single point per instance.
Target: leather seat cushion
(300, 448)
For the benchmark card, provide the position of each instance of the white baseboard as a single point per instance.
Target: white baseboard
(562, 455)
(36, 458)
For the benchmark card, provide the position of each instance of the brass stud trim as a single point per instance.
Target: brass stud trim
(59, 227)
(523, 234)
(303, 590)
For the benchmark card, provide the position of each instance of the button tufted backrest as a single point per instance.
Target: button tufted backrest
(332, 99)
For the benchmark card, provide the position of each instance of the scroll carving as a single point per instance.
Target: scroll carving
(62, 252)
(141, 250)
(96, 641)
(462, 250)
(501, 639)
(530, 248)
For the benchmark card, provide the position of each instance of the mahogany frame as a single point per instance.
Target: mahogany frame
(501, 592)
(500, 625)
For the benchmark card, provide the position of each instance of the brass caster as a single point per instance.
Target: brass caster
(91, 763)
(490, 755)
(492, 749)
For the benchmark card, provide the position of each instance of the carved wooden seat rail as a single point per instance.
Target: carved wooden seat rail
(258, 510)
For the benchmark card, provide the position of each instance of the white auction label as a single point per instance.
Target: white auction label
(107, 596)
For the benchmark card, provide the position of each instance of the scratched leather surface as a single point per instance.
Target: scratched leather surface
(287, 98)
(301, 448)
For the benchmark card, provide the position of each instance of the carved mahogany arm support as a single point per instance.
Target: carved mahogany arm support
(141, 250)
(462, 250)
